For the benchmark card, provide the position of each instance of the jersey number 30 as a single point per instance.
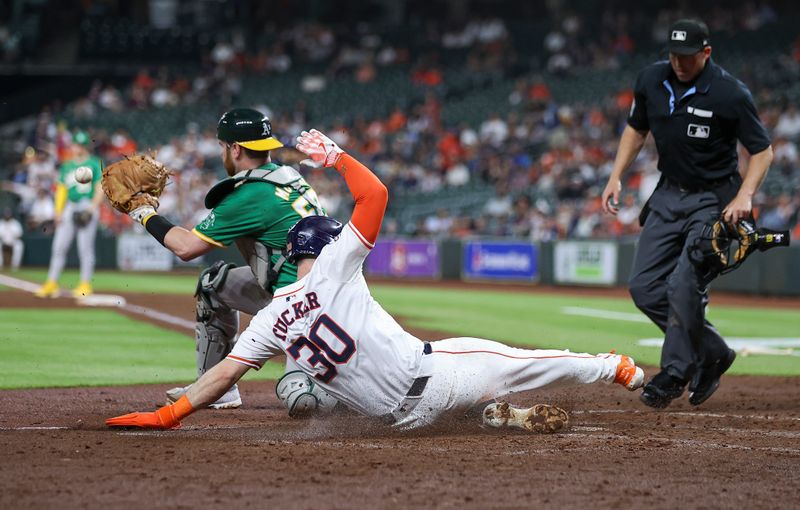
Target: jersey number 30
(322, 354)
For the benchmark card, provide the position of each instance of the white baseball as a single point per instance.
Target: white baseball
(83, 174)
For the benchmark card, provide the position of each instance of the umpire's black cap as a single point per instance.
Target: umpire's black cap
(688, 36)
(248, 128)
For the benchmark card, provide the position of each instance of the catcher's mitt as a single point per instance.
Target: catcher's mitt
(134, 182)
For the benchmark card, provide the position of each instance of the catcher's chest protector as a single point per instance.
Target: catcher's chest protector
(257, 255)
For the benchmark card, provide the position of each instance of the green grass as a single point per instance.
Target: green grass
(537, 320)
(101, 347)
(116, 281)
(92, 348)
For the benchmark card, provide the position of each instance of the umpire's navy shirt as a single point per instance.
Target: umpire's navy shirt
(696, 133)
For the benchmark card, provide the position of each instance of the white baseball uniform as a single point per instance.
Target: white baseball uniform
(339, 335)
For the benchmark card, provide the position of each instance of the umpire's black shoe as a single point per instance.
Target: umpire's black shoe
(661, 390)
(708, 380)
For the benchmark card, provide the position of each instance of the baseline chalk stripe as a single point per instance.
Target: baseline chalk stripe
(604, 314)
(773, 346)
(104, 300)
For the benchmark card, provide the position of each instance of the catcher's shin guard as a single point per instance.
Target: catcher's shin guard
(217, 325)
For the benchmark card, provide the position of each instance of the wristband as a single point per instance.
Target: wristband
(158, 226)
(170, 416)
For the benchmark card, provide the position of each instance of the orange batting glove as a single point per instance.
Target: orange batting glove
(167, 417)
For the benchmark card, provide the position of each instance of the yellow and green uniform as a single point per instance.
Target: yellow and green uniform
(75, 190)
(260, 211)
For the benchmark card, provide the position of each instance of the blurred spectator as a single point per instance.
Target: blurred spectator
(439, 225)
(42, 212)
(789, 123)
(500, 203)
(10, 239)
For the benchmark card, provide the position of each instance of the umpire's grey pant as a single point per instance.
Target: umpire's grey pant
(668, 287)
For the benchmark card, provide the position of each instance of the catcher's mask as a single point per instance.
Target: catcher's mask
(309, 235)
(723, 247)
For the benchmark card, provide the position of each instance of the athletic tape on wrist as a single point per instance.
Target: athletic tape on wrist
(158, 226)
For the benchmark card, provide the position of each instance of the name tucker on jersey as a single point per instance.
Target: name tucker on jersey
(297, 311)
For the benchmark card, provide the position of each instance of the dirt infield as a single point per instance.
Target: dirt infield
(741, 448)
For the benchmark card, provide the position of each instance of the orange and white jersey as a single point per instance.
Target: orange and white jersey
(330, 324)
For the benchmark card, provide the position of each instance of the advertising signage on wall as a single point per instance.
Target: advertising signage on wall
(140, 252)
(500, 261)
(585, 262)
(399, 257)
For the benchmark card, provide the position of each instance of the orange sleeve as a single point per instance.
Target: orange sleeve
(369, 193)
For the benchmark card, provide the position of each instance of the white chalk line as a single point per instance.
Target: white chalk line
(120, 303)
(698, 414)
(34, 428)
(604, 314)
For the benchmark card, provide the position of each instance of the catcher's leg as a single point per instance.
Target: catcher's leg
(215, 331)
(240, 290)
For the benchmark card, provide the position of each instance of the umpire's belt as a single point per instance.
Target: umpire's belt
(413, 396)
(697, 187)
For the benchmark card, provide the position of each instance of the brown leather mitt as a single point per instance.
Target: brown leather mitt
(134, 182)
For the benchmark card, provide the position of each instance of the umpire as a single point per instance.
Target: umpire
(696, 112)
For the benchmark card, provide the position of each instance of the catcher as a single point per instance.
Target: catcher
(345, 342)
(253, 208)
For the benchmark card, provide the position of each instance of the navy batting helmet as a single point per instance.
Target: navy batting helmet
(308, 236)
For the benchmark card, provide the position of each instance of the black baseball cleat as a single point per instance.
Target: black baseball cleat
(708, 380)
(661, 390)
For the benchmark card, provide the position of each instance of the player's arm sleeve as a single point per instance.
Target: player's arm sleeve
(370, 197)
(637, 118)
(749, 128)
(260, 342)
(343, 259)
(60, 198)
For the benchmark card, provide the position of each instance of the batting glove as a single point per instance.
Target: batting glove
(162, 419)
(318, 147)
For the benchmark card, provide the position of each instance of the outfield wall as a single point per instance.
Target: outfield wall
(574, 263)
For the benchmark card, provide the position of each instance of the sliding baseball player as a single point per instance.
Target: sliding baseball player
(346, 343)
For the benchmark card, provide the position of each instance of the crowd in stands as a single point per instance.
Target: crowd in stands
(546, 162)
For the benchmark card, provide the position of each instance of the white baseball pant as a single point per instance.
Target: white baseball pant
(467, 371)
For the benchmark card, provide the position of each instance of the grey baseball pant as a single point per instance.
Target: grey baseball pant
(668, 287)
(65, 233)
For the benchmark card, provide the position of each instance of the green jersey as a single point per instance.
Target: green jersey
(259, 211)
(75, 190)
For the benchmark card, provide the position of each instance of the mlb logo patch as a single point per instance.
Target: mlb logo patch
(678, 35)
(698, 131)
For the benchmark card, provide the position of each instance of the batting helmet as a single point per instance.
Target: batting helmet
(722, 247)
(309, 235)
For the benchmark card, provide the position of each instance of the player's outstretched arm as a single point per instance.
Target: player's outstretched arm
(368, 191)
(212, 385)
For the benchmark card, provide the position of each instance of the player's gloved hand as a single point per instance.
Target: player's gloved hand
(163, 419)
(318, 147)
(141, 213)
